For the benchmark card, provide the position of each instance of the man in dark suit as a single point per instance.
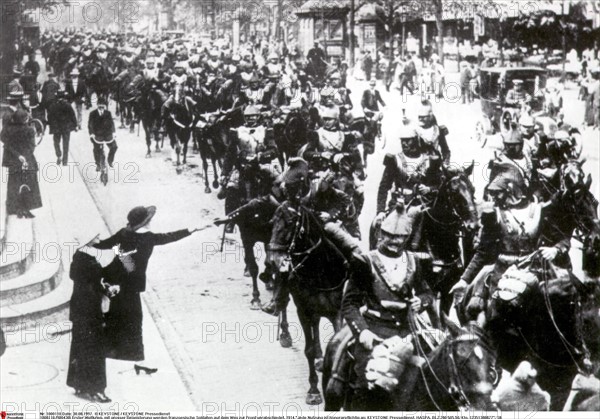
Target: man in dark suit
(76, 92)
(61, 119)
(102, 130)
(370, 103)
(49, 90)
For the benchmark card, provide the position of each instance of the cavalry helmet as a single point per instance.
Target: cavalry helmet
(251, 110)
(399, 222)
(513, 137)
(331, 112)
(526, 121)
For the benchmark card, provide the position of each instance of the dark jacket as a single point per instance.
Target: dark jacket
(103, 126)
(144, 244)
(49, 90)
(61, 117)
(372, 100)
(366, 286)
(76, 96)
(19, 140)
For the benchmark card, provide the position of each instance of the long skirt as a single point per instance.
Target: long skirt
(87, 362)
(22, 191)
(124, 327)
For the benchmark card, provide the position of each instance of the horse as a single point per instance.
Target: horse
(181, 116)
(254, 221)
(316, 277)
(126, 93)
(457, 374)
(97, 80)
(290, 133)
(438, 228)
(148, 109)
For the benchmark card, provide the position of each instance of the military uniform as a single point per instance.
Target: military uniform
(376, 279)
(403, 175)
(250, 149)
(434, 140)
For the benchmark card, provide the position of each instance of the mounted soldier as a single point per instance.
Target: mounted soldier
(432, 135)
(334, 94)
(410, 173)
(255, 93)
(531, 138)
(514, 156)
(250, 164)
(388, 280)
(272, 67)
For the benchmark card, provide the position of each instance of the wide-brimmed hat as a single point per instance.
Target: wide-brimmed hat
(140, 216)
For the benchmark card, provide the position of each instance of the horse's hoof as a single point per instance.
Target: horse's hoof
(269, 286)
(148, 154)
(215, 184)
(247, 272)
(178, 170)
(285, 340)
(319, 364)
(207, 190)
(255, 304)
(313, 399)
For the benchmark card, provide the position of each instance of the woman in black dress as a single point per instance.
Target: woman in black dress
(135, 244)
(87, 359)
(22, 189)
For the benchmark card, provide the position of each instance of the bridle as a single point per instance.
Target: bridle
(455, 389)
(457, 218)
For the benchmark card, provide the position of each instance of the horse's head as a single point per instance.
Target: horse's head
(295, 232)
(179, 93)
(458, 194)
(471, 366)
(572, 177)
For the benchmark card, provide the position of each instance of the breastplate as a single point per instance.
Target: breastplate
(255, 95)
(389, 284)
(412, 168)
(250, 139)
(331, 140)
(430, 136)
(520, 229)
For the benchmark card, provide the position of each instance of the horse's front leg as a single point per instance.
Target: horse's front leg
(252, 267)
(215, 183)
(148, 133)
(285, 339)
(186, 140)
(309, 324)
(205, 168)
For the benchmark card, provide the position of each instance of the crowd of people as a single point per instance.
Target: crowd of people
(292, 142)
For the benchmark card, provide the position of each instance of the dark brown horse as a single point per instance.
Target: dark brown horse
(459, 373)
(316, 271)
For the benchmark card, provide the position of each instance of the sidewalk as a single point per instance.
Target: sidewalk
(34, 376)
